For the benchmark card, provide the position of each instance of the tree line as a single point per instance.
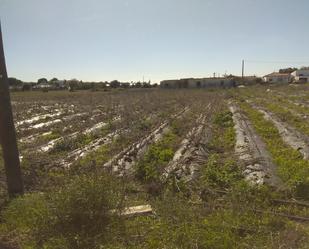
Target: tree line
(292, 69)
(74, 84)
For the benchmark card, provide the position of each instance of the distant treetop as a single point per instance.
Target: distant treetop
(288, 70)
(54, 80)
(14, 81)
(42, 80)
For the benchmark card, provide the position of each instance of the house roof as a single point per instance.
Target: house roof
(275, 74)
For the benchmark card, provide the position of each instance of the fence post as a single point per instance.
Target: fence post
(7, 133)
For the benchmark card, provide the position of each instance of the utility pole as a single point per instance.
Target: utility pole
(7, 132)
(243, 69)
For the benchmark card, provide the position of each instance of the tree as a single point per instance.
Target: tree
(42, 80)
(304, 68)
(14, 82)
(114, 84)
(288, 70)
(26, 87)
(73, 84)
(125, 85)
(53, 80)
(7, 132)
(138, 84)
(146, 85)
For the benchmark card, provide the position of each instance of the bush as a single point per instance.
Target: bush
(220, 173)
(224, 119)
(51, 136)
(27, 219)
(68, 144)
(75, 216)
(150, 168)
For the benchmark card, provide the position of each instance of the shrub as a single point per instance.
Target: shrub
(51, 136)
(69, 144)
(159, 154)
(27, 218)
(220, 173)
(77, 215)
(221, 169)
(224, 119)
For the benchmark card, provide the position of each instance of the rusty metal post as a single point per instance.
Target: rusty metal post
(7, 132)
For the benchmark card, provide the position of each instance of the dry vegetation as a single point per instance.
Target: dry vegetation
(220, 169)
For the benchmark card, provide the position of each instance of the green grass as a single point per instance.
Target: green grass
(53, 135)
(99, 157)
(285, 110)
(81, 140)
(221, 169)
(219, 210)
(292, 169)
(220, 220)
(292, 106)
(69, 144)
(74, 216)
(288, 117)
(3, 190)
(150, 167)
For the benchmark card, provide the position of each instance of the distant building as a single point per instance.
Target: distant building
(43, 85)
(16, 87)
(277, 78)
(300, 76)
(251, 80)
(198, 83)
(246, 80)
(174, 84)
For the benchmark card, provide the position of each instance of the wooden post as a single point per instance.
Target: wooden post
(7, 132)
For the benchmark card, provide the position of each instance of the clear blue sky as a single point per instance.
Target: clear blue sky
(160, 39)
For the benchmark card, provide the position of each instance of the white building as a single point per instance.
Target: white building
(300, 76)
(277, 78)
(198, 83)
(43, 86)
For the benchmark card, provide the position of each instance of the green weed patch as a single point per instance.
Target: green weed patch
(293, 170)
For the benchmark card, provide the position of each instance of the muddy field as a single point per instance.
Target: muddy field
(214, 168)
